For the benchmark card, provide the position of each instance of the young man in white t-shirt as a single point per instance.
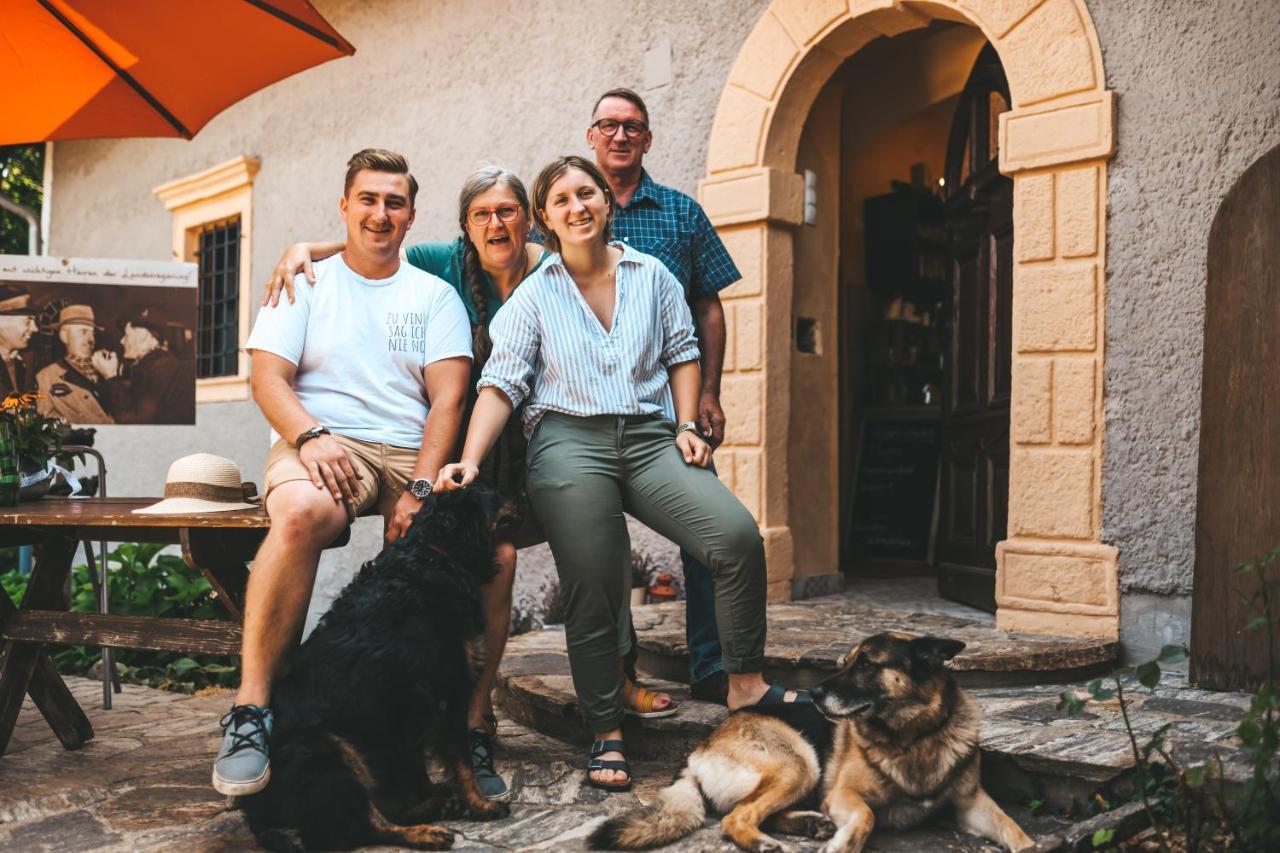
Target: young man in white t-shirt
(363, 380)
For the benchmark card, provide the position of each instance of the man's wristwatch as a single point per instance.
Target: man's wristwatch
(420, 488)
(314, 432)
(689, 426)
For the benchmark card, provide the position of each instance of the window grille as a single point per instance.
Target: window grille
(218, 256)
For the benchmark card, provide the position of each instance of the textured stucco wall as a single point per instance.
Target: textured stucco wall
(452, 84)
(1199, 100)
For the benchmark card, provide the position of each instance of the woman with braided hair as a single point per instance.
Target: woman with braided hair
(484, 264)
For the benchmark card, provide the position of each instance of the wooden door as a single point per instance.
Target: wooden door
(974, 485)
(1237, 511)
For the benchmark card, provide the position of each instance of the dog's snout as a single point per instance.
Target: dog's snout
(818, 691)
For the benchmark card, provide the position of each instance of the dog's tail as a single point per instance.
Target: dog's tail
(677, 811)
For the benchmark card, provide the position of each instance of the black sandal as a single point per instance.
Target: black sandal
(600, 747)
(775, 698)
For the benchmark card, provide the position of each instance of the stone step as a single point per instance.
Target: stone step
(1031, 750)
(808, 638)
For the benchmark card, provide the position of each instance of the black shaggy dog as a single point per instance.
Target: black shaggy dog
(383, 679)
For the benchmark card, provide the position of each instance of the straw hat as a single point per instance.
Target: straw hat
(203, 482)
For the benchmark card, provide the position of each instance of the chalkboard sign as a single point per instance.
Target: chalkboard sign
(894, 486)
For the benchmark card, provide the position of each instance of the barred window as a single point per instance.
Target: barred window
(218, 256)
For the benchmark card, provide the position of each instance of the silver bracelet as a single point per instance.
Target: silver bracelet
(688, 426)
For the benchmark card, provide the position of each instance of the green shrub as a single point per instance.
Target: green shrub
(1193, 807)
(144, 582)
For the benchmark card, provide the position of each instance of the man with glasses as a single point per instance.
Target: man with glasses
(671, 226)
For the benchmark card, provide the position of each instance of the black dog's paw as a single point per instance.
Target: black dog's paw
(424, 837)
(489, 810)
(282, 841)
(452, 807)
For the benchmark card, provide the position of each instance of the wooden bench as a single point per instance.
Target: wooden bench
(219, 545)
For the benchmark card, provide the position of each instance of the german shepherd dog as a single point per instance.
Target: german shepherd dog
(382, 679)
(899, 741)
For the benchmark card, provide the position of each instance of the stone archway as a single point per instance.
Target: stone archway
(1054, 574)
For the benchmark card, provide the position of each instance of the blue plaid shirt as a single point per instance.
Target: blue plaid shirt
(672, 227)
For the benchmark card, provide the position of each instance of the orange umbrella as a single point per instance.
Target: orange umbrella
(78, 69)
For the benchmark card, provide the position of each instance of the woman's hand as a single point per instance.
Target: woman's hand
(695, 449)
(465, 471)
(296, 259)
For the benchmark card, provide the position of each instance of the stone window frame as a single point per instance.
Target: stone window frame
(214, 195)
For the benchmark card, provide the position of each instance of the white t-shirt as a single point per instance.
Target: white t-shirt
(361, 344)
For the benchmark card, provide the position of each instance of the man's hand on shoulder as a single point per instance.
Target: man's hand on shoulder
(402, 517)
(330, 467)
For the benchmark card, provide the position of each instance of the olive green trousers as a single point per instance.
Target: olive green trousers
(584, 473)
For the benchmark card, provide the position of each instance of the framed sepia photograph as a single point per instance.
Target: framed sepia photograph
(100, 341)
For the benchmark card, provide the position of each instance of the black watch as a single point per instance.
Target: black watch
(314, 432)
(419, 488)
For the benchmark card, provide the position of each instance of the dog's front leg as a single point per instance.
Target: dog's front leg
(853, 817)
(980, 815)
(477, 806)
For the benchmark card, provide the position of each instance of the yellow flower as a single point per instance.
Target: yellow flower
(20, 401)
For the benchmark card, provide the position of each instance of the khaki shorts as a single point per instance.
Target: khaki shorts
(384, 470)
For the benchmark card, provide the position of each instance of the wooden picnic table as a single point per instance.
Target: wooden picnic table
(219, 545)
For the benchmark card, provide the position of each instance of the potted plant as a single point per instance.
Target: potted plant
(31, 440)
(640, 567)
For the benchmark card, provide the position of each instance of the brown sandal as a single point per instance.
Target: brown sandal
(639, 702)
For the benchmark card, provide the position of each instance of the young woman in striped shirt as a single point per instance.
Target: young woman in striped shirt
(599, 346)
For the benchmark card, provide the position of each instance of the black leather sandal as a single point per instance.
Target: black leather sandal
(599, 748)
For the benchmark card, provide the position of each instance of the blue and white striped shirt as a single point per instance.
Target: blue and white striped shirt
(550, 350)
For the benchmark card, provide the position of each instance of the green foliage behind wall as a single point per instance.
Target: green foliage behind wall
(21, 180)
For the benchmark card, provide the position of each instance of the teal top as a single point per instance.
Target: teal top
(446, 261)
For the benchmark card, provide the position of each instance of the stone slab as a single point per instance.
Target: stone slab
(808, 638)
(1031, 749)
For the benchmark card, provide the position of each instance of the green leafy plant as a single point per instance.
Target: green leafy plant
(21, 175)
(34, 436)
(1195, 807)
(144, 582)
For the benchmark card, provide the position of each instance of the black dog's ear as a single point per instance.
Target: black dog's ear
(932, 652)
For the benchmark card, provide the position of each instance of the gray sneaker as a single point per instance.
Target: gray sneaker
(487, 779)
(242, 766)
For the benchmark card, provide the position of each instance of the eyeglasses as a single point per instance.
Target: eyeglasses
(481, 216)
(609, 127)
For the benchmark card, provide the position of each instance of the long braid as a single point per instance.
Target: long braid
(472, 276)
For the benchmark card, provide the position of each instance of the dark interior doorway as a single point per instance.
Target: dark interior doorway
(930, 434)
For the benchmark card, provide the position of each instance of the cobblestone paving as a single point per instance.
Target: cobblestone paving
(142, 784)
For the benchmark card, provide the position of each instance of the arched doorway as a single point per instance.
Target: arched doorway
(1054, 574)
